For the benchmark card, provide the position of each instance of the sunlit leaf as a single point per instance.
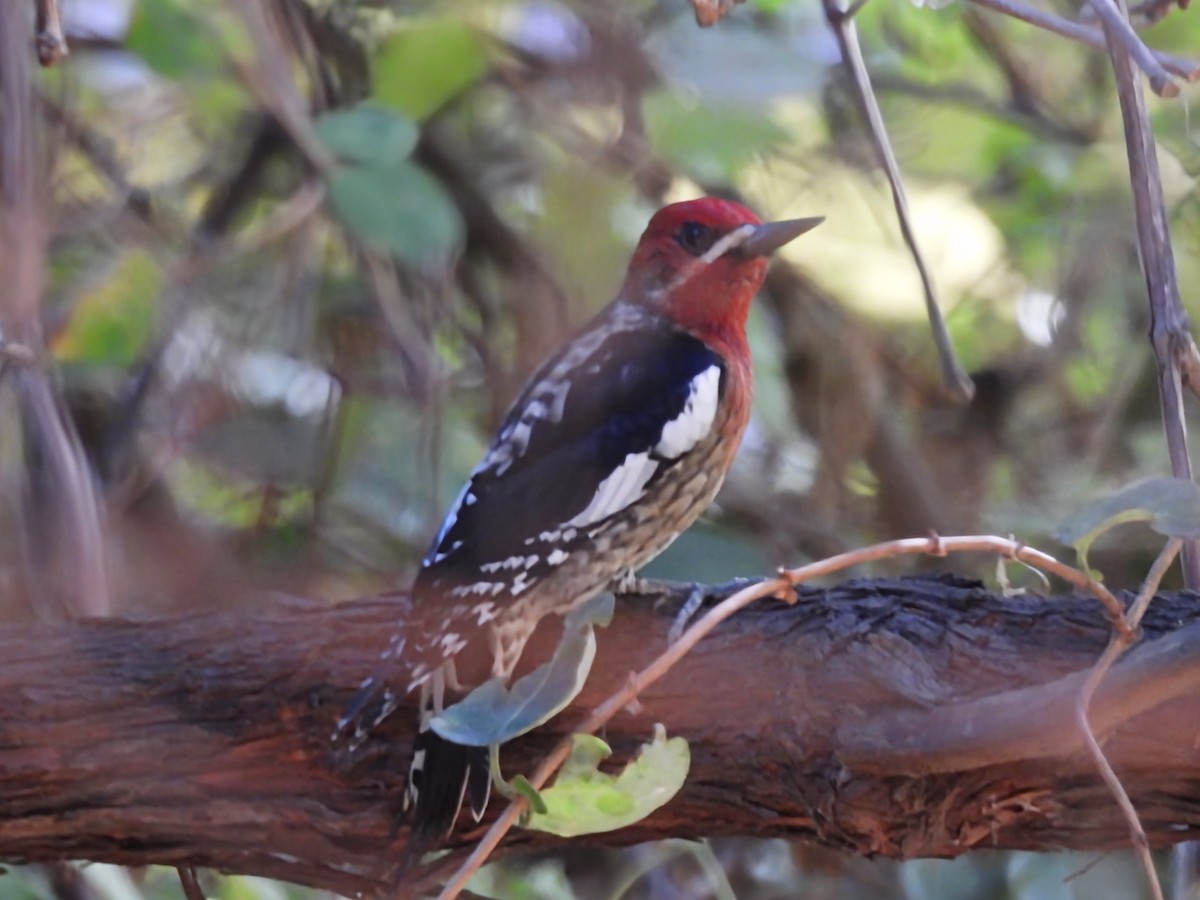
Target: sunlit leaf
(368, 135)
(397, 208)
(110, 323)
(584, 800)
(427, 63)
(213, 497)
(1170, 506)
(492, 714)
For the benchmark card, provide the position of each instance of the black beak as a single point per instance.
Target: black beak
(770, 236)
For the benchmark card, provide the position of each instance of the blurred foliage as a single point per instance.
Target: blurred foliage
(283, 373)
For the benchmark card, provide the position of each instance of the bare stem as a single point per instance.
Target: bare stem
(1118, 645)
(1118, 29)
(842, 24)
(1169, 324)
(1186, 69)
(780, 586)
(49, 39)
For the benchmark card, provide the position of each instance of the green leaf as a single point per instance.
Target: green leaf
(164, 33)
(584, 800)
(368, 135)
(425, 64)
(492, 714)
(712, 143)
(111, 323)
(1170, 506)
(397, 208)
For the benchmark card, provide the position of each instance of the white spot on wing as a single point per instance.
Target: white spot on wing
(513, 562)
(479, 587)
(465, 497)
(519, 436)
(625, 485)
(558, 400)
(558, 557)
(520, 584)
(687, 429)
(451, 644)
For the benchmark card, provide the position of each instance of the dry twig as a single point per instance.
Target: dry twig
(61, 492)
(1118, 30)
(190, 883)
(780, 586)
(841, 20)
(1186, 69)
(48, 38)
(269, 79)
(1119, 644)
(1170, 333)
(710, 12)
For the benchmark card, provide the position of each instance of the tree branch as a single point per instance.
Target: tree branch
(908, 718)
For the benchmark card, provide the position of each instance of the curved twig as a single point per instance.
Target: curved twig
(781, 586)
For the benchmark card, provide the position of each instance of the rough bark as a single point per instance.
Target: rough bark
(906, 718)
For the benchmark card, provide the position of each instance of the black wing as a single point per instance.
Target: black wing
(577, 423)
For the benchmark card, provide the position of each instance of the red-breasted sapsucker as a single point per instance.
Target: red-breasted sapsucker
(618, 442)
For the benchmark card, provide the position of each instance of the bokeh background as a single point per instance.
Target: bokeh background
(301, 255)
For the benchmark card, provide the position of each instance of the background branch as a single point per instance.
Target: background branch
(1170, 333)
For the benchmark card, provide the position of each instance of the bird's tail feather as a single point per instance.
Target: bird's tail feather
(373, 703)
(442, 775)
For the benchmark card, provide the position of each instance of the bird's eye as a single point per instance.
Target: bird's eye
(696, 238)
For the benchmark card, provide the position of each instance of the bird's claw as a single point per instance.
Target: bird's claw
(690, 607)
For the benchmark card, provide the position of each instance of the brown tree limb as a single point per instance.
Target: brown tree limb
(863, 718)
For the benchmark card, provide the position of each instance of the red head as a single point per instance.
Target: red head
(702, 261)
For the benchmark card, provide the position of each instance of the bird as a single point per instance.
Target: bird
(614, 447)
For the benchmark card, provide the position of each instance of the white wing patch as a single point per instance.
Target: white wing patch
(687, 429)
(436, 555)
(624, 486)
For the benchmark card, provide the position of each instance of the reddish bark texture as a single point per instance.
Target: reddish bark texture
(907, 718)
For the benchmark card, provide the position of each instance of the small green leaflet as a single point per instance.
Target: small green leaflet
(493, 714)
(367, 135)
(399, 209)
(1171, 506)
(584, 800)
(381, 195)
